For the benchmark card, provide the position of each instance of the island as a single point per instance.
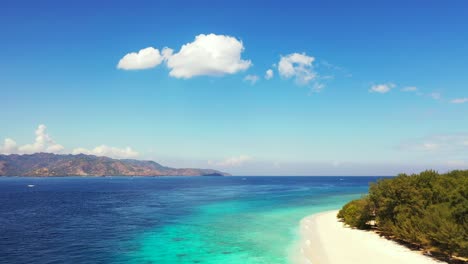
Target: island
(48, 164)
(420, 218)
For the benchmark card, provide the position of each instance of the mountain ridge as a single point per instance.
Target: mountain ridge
(49, 164)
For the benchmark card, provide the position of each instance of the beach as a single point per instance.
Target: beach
(325, 240)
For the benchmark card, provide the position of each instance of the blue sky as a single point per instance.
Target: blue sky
(372, 88)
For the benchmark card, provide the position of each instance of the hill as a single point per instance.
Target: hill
(48, 164)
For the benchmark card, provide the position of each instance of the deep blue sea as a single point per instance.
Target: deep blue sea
(162, 219)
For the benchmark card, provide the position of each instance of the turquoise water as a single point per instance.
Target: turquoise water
(162, 220)
(259, 228)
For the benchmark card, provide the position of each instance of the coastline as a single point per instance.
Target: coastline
(325, 240)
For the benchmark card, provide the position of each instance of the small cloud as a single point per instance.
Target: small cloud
(113, 152)
(409, 89)
(298, 66)
(252, 79)
(144, 59)
(382, 88)
(232, 161)
(459, 100)
(269, 74)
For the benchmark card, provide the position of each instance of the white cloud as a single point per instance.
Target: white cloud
(212, 55)
(45, 143)
(435, 95)
(252, 79)
(9, 147)
(298, 66)
(232, 161)
(409, 89)
(459, 100)
(269, 74)
(104, 150)
(381, 88)
(144, 59)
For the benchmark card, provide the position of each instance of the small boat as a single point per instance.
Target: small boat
(31, 185)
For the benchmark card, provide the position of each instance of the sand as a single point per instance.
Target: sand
(325, 240)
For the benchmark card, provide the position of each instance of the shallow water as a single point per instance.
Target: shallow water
(162, 220)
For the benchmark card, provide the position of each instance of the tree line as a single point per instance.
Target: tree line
(428, 210)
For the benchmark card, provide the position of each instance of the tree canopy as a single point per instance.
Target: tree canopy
(429, 210)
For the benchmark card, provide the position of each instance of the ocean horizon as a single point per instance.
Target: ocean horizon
(235, 219)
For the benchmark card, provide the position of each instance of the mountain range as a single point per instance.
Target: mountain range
(48, 164)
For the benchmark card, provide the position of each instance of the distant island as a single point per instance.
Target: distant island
(48, 164)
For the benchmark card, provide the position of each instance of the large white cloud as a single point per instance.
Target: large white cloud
(298, 66)
(382, 88)
(104, 150)
(143, 59)
(45, 143)
(42, 143)
(212, 55)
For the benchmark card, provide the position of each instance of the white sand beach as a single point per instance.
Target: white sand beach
(324, 240)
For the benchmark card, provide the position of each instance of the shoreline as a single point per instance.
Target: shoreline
(325, 240)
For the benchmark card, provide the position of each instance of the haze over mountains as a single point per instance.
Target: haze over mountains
(48, 164)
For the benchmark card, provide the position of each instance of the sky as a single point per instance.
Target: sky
(247, 87)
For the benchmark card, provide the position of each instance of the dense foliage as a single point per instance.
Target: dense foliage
(429, 210)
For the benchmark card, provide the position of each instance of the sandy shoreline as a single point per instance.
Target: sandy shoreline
(324, 240)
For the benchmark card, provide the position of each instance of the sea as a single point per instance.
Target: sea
(160, 220)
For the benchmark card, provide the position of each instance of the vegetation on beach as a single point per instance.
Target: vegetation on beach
(428, 210)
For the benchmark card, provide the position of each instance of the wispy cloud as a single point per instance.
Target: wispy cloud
(439, 144)
(252, 79)
(409, 89)
(232, 161)
(459, 100)
(435, 95)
